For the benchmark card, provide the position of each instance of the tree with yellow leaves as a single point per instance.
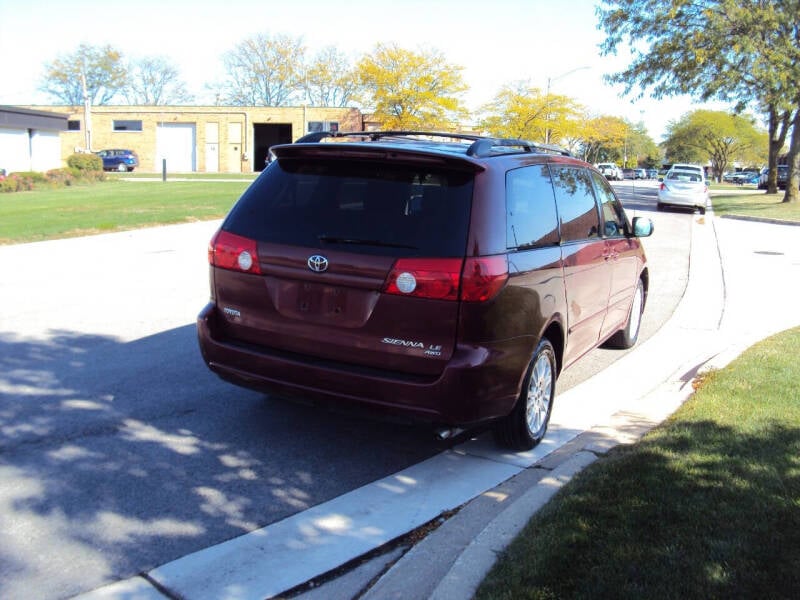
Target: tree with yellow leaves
(519, 111)
(411, 90)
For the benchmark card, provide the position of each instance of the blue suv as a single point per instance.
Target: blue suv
(119, 160)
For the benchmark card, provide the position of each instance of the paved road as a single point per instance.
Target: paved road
(121, 452)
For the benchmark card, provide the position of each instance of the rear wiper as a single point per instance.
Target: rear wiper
(332, 239)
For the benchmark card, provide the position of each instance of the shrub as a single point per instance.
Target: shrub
(8, 184)
(78, 170)
(32, 176)
(17, 182)
(61, 177)
(85, 162)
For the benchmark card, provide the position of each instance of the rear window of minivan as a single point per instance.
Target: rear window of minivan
(367, 207)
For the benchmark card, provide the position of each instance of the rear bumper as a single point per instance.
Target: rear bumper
(479, 382)
(679, 200)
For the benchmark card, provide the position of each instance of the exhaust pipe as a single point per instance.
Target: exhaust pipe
(448, 433)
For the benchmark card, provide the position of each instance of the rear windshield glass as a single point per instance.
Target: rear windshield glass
(361, 206)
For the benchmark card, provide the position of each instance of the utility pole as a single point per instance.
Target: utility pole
(87, 115)
(547, 99)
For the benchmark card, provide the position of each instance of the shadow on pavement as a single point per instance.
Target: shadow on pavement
(118, 457)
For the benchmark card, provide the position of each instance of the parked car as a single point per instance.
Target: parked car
(783, 176)
(652, 173)
(448, 278)
(610, 171)
(629, 173)
(728, 176)
(763, 175)
(745, 177)
(640, 174)
(119, 160)
(683, 188)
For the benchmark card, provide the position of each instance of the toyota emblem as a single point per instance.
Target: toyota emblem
(318, 263)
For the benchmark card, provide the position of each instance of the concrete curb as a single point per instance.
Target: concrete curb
(761, 220)
(478, 558)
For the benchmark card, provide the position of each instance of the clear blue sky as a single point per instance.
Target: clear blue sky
(497, 42)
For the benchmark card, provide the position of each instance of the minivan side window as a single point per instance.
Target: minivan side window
(577, 207)
(615, 223)
(531, 218)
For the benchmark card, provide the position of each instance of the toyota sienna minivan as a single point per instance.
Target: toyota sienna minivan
(448, 278)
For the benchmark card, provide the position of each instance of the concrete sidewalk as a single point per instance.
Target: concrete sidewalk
(737, 270)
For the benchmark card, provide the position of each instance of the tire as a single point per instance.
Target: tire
(702, 209)
(526, 424)
(627, 336)
(659, 206)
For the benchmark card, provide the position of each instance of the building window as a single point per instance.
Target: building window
(127, 125)
(73, 125)
(317, 126)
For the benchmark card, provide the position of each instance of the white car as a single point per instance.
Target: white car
(610, 171)
(683, 187)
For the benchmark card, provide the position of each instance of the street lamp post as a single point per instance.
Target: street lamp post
(551, 80)
(87, 115)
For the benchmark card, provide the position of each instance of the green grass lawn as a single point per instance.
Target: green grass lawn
(756, 204)
(114, 176)
(707, 505)
(113, 205)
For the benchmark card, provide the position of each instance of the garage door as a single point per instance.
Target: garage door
(15, 150)
(175, 142)
(45, 150)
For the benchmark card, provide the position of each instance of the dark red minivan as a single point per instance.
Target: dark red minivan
(448, 278)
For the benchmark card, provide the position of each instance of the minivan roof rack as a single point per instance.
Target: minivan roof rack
(481, 146)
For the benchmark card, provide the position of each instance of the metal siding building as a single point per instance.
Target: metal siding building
(30, 139)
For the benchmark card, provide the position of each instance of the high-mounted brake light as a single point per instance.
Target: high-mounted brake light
(234, 252)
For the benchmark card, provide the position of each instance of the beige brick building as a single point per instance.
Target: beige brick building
(208, 139)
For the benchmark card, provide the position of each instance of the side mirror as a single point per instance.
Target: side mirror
(642, 227)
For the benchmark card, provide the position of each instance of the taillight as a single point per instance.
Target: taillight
(436, 278)
(478, 279)
(483, 278)
(234, 252)
(663, 186)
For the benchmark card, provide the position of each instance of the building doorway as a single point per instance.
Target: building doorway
(266, 135)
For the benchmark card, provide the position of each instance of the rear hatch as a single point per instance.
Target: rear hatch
(351, 256)
(685, 183)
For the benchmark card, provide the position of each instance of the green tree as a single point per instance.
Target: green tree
(264, 70)
(746, 51)
(639, 149)
(330, 80)
(153, 81)
(101, 67)
(520, 111)
(411, 90)
(715, 136)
